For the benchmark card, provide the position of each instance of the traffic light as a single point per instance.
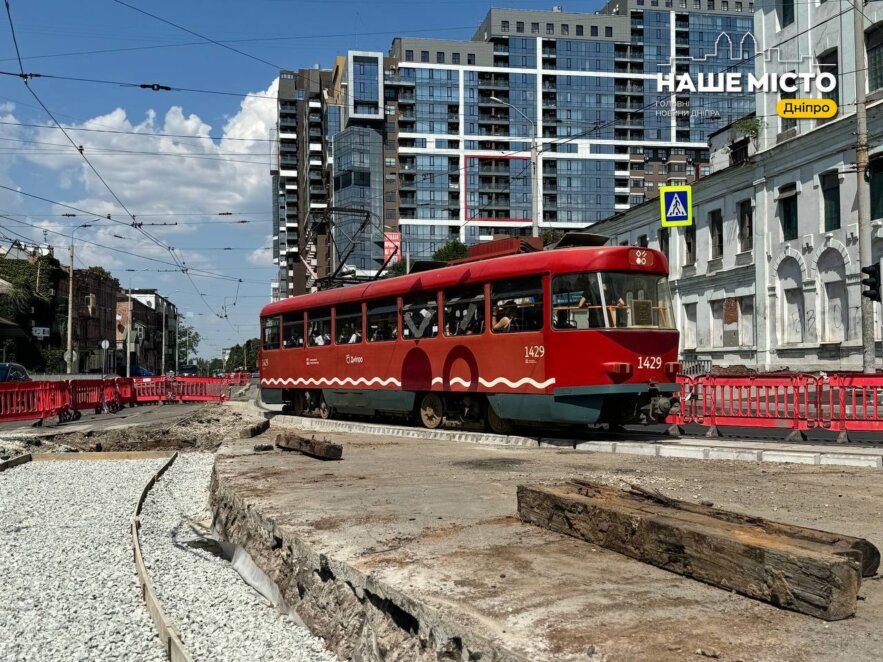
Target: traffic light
(871, 282)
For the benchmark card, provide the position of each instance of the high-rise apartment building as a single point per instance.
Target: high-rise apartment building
(453, 122)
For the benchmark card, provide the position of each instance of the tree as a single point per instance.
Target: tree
(188, 341)
(396, 269)
(551, 236)
(453, 250)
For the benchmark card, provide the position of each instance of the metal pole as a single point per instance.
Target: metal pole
(534, 183)
(862, 190)
(70, 312)
(129, 337)
(177, 347)
(163, 362)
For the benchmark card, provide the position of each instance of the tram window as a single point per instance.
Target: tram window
(383, 319)
(293, 330)
(464, 311)
(420, 316)
(319, 325)
(348, 323)
(517, 305)
(577, 303)
(271, 333)
(611, 300)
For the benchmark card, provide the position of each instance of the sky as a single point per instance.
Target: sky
(191, 164)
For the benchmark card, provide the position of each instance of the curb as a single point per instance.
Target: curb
(168, 634)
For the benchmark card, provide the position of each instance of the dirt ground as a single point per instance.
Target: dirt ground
(437, 522)
(168, 427)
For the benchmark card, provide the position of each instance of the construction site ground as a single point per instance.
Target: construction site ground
(435, 523)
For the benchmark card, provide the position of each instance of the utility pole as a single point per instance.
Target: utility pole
(177, 347)
(534, 168)
(869, 358)
(70, 312)
(129, 337)
(163, 361)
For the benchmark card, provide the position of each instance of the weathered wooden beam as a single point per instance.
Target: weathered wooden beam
(801, 570)
(254, 430)
(322, 449)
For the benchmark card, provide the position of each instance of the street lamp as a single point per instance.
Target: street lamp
(534, 168)
(69, 357)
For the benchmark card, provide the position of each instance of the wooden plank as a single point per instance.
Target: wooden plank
(321, 449)
(254, 430)
(771, 563)
(15, 461)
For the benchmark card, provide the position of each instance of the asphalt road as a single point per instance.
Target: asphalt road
(127, 417)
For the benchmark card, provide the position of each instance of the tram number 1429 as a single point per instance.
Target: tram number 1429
(534, 351)
(650, 362)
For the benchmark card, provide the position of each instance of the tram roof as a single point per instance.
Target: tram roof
(563, 260)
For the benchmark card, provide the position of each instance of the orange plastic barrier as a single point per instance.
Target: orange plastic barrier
(200, 389)
(22, 401)
(238, 378)
(87, 394)
(151, 389)
(840, 402)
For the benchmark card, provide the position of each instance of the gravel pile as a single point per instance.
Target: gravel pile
(218, 615)
(68, 589)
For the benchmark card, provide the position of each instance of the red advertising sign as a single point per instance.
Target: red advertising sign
(392, 246)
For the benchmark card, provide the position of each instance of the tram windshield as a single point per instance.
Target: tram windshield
(608, 300)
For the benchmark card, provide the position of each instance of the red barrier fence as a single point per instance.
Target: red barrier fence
(238, 378)
(841, 402)
(22, 401)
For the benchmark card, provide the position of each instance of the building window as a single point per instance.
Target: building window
(874, 41)
(455, 58)
(519, 27)
(792, 307)
(725, 6)
(643, 241)
(828, 64)
(716, 226)
(663, 241)
(550, 28)
(710, 5)
(876, 169)
(697, 4)
(534, 28)
(832, 274)
(831, 196)
(504, 26)
(594, 30)
(579, 31)
(738, 6)
(424, 56)
(689, 326)
(786, 12)
(746, 226)
(565, 28)
(409, 56)
(788, 211)
(690, 246)
(439, 57)
(608, 31)
(470, 58)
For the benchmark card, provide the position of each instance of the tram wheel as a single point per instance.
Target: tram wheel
(324, 410)
(496, 424)
(432, 411)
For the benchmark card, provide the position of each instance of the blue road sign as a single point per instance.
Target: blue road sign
(675, 205)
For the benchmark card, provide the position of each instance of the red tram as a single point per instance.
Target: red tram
(572, 336)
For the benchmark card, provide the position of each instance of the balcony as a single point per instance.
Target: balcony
(493, 170)
(398, 80)
(407, 97)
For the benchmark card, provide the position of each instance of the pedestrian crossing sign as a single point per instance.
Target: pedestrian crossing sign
(675, 205)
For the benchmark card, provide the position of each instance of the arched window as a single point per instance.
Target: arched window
(835, 304)
(792, 306)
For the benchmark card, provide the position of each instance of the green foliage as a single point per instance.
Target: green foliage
(750, 126)
(243, 358)
(396, 269)
(188, 340)
(453, 250)
(551, 236)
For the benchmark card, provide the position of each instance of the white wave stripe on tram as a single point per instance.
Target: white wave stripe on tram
(334, 381)
(520, 382)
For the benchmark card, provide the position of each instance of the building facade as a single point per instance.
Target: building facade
(94, 318)
(153, 321)
(456, 121)
(769, 275)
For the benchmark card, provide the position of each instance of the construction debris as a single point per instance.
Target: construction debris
(254, 430)
(804, 570)
(323, 450)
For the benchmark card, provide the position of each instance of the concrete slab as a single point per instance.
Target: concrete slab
(693, 452)
(842, 459)
(597, 446)
(795, 457)
(630, 448)
(740, 454)
(412, 546)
